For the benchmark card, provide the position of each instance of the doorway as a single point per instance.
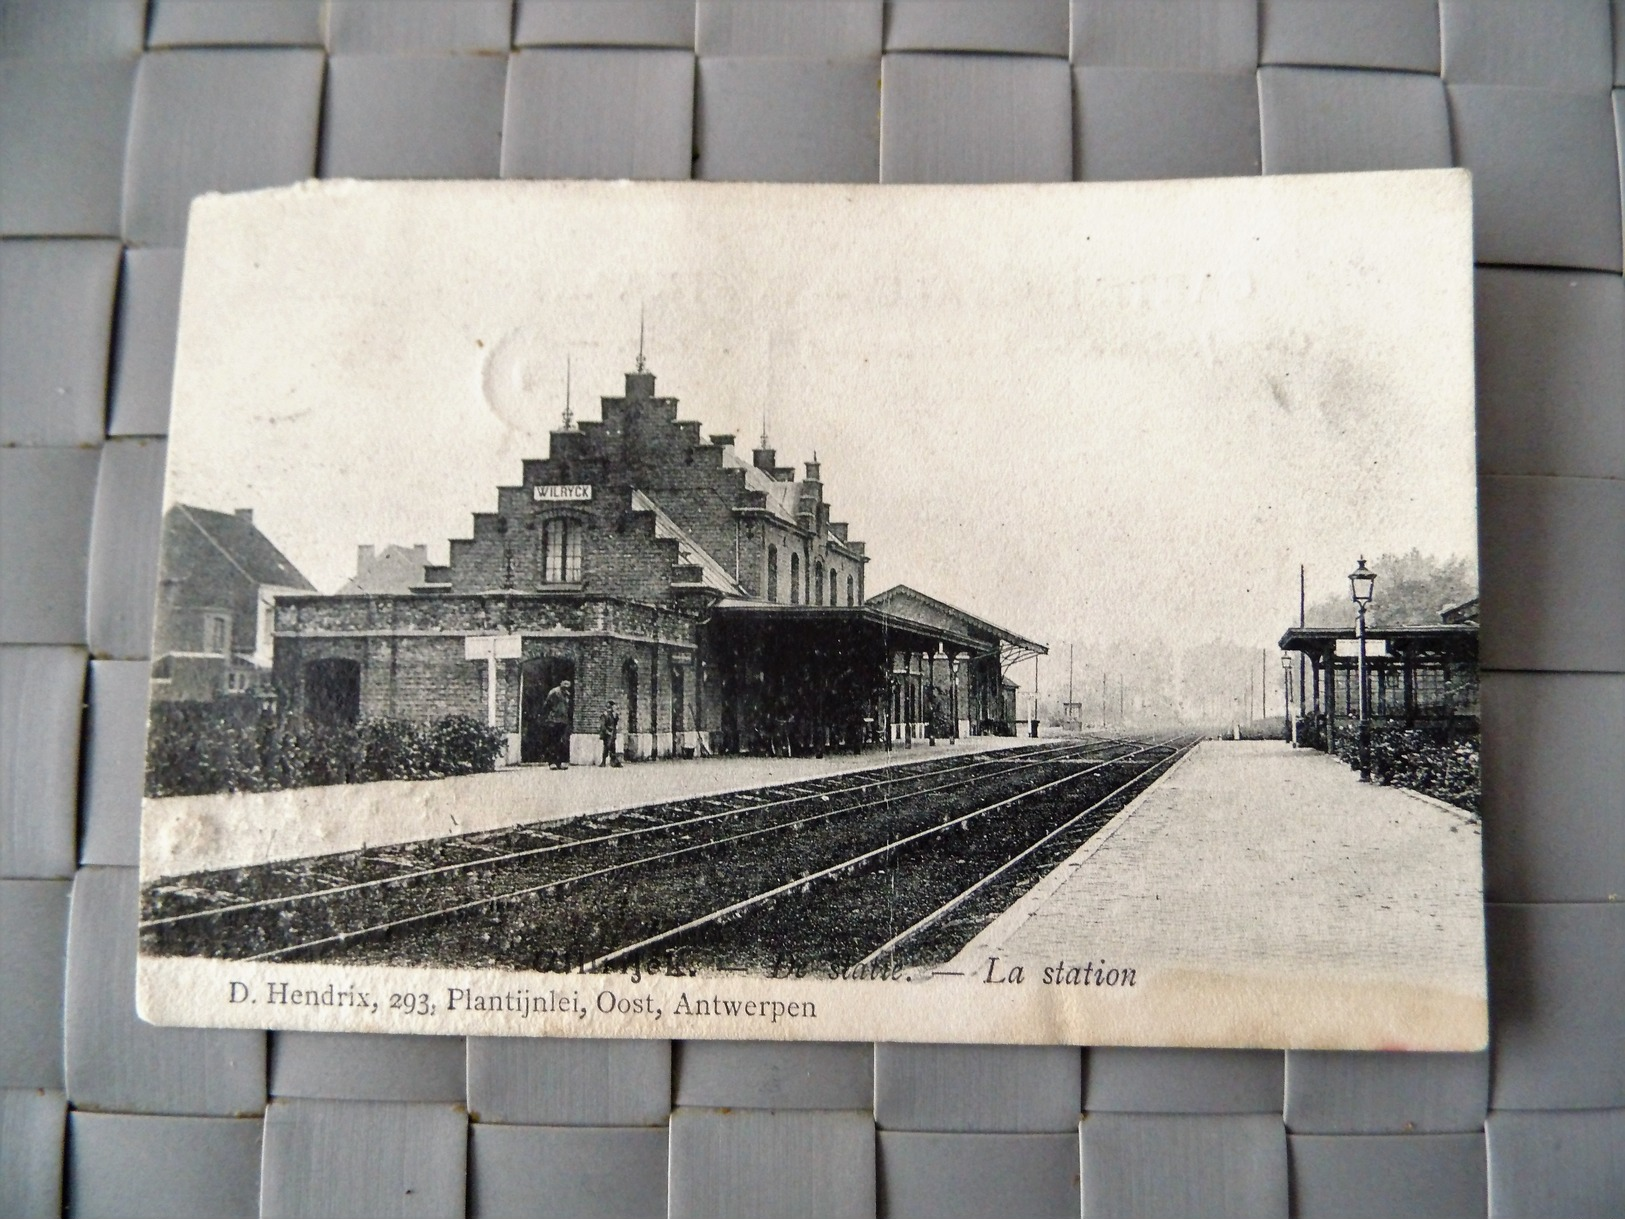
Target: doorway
(679, 724)
(333, 691)
(629, 684)
(536, 677)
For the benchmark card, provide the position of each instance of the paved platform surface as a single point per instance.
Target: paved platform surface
(181, 834)
(1252, 858)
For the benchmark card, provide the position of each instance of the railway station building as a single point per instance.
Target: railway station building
(715, 600)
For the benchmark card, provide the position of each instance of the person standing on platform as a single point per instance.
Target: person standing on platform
(556, 715)
(609, 732)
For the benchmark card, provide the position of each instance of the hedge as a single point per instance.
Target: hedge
(232, 744)
(1436, 760)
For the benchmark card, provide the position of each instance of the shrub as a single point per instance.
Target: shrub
(316, 755)
(1438, 759)
(232, 744)
(194, 748)
(391, 749)
(463, 745)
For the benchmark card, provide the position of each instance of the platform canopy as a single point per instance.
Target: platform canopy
(909, 604)
(1449, 640)
(901, 632)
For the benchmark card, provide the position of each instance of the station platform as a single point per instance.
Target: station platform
(181, 834)
(1255, 868)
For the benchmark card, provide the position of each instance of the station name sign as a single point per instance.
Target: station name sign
(1373, 647)
(562, 491)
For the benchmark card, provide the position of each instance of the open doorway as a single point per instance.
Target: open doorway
(629, 720)
(536, 677)
(333, 691)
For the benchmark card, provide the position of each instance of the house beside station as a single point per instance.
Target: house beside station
(387, 569)
(218, 577)
(714, 599)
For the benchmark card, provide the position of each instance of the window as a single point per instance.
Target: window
(819, 586)
(561, 551)
(772, 573)
(849, 590)
(216, 634)
(795, 579)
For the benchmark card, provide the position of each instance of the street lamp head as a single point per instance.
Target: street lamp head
(1361, 580)
(1286, 660)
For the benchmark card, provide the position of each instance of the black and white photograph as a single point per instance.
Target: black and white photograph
(985, 614)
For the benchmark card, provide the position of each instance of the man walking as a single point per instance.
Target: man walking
(609, 732)
(556, 715)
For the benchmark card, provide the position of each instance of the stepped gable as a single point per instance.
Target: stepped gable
(663, 512)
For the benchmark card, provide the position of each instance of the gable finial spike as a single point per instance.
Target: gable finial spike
(641, 366)
(569, 419)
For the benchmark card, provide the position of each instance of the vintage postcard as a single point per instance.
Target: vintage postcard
(997, 614)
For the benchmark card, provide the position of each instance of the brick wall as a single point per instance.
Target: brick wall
(413, 659)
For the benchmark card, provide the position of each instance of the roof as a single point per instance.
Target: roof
(1318, 638)
(869, 613)
(713, 574)
(390, 569)
(782, 496)
(900, 599)
(1466, 611)
(244, 546)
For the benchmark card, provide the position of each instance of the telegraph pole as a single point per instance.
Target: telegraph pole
(1301, 603)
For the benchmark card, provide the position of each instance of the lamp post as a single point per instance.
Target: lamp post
(899, 709)
(1361, 581)
(1289, 733)
(933, 697)
(954, 670)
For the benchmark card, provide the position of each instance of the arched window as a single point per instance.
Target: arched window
(772, 573)
(819, 585)
(561, 551)
(849, 590)
(795, 579)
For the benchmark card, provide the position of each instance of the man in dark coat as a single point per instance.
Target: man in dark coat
(556, 715)
(609, 732)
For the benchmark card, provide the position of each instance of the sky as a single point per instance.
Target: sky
(1098, 414)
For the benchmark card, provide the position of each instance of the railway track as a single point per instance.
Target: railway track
(604, 891)
(223, 891)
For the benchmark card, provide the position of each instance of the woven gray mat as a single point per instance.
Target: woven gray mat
(114, 113)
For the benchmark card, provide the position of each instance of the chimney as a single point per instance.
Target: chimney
(812, 472)
(245, 515)
(764, 459)
(723, 440)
